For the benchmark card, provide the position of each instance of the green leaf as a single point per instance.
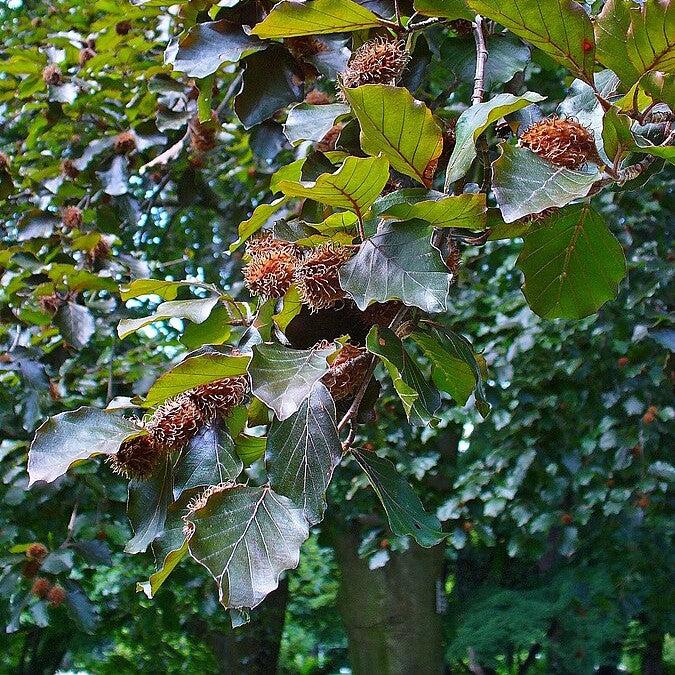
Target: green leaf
(206, 46)
(168, 290)
(420, 400)
(209, 459)
(76, 324)
(617, 139)
(398, 263)
(403, 507)
(283, 377)
(196, 310)
(250, 448)
(449, 9)
(354, 186)
(261, 216)
(317, 17)
(454, 366)
(526, 184)
(302, 452)
(398, 126)
(72, 436)
(666, 152)
(306, 122)
(560, 28)
(246, 537)
(192, 372)
(473, 122)
(467, 210)
(290, 308)
(214, 331)
(169, 564)
(572, 264)
(147, 507)
(634, 39)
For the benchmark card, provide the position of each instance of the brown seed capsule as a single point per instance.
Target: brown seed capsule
(265, 243)
(85, 55)
(52, 75)
(41, 587)
(305, 46)
(346, 373)
(31, 568)
(56, 595)
(317, 275)
(69, 169)
(217, 398)
(100, 252)
(378, 61)
(71, 216)
(122, 27)
(125, 143)
(563, 142)
(316, 97)
(175, 422)
(137, 457)
(270, 275)
(203, 134)
(329, 141)
(50, 303)
(36, 551)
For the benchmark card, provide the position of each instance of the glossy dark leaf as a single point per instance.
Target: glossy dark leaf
(76, 324)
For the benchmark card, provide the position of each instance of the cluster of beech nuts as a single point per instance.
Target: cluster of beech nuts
(42, 587)
(175, 423)
(378, 61)
(562, 142)
(275, 264)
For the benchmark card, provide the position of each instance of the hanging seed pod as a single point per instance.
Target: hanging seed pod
(271, 275)
(266, 243)
(217, 398)
(175, 422)
(52, 75)
(136, 458)
(125, 143)
(36, 551)
(41, 587)
(563, 142)
(71, 217)
(346, 373)
(203, 134)
(56, 595)
(317, 275)
(378, 61)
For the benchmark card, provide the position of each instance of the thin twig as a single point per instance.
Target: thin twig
(424, 24)
(397, 9)
(481, 58)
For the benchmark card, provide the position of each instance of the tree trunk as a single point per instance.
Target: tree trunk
(390, 614)
(253, 649)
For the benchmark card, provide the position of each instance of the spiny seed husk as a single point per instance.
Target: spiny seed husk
(56, 595)
(563, 142)
(36, 551)
(52, 75)
(378, 61)
(266, 243)
(41, 587)
(175, 422)
(125, 143)
(136, 458)
(203, 135)
(71, 217)
(317, 276)
(270, 275)
(217, 398)
(346, 372)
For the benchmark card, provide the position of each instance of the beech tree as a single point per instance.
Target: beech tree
(247, 251)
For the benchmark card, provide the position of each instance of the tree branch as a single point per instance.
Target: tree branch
(481, 58)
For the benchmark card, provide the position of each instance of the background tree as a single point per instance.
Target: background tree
(379, 148)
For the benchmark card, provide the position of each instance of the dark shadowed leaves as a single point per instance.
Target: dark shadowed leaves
(283, 377)
(403, 507)
(76, 324)
(398, 263)
(302, 452)
(72, 436)
(572, 264)
(246, 537)
(147, 506)
(208, 459)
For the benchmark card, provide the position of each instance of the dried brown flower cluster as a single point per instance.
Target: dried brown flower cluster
(346, 373)
(54, 594)
(378, 61)
(176, 422)
(69, 169)
(52, 75)
(276, 264)
(125, 143)
(35, 555)
(71, 217)
(563, 142)
(203, 134)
